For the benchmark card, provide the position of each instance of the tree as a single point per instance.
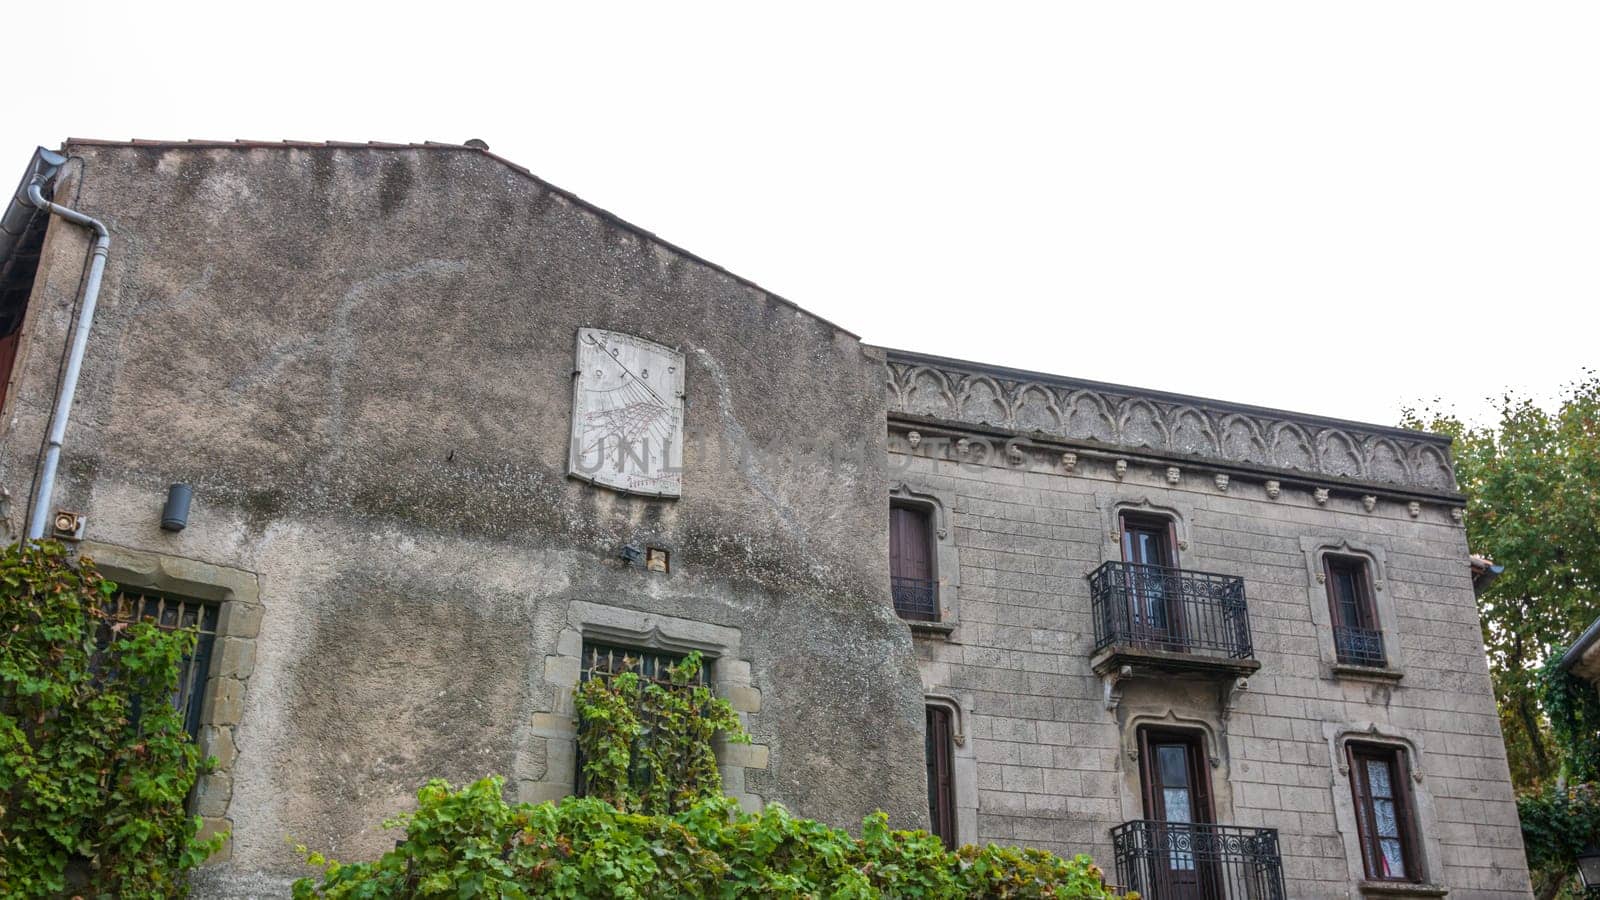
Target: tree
(1532, 484)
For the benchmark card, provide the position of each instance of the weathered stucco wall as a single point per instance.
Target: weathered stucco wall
(361, 359)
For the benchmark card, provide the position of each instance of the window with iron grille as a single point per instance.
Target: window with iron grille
(911, 575)
(173, 614)
(1356, 635)
(605, 660)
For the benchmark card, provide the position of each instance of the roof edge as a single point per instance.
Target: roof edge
(1589, 638)
(915, 358)
(598, 210)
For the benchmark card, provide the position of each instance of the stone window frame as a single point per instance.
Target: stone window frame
(963, 762)
(1215, 737)
(237, 595)
(556, 732)
(1112, 507)
(946, 556)
(1317, 549)
(1429, 850)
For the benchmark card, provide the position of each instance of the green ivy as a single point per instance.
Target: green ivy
(471, 843)
(647, 747)
(1573, 706)
(1557, 825)
(95, 763)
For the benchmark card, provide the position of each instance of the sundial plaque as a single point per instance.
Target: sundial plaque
(627, 414)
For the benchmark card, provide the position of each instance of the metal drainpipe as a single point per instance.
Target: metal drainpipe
(80, 341)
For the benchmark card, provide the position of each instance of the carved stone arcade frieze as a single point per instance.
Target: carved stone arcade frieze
(1205, 430)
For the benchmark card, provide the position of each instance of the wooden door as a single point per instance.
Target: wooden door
(941, 775)
(1177, 797)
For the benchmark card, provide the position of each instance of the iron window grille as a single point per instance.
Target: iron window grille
(172, 614)
(915, 598)
(1359, 646)
(1169, 609)
(1198, 861)
(606, 660)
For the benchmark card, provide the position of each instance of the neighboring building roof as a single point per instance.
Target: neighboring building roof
(1583, 657)
(1484, 573)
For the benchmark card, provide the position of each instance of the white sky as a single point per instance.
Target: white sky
(1337, 208)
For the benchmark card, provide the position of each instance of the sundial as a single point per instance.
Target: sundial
(627, 414)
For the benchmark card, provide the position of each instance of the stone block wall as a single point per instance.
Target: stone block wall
(1056, 762)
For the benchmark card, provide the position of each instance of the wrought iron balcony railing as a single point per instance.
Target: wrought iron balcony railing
(1359, 646)
(915, 598)
(1175, 861)
(1159, 608)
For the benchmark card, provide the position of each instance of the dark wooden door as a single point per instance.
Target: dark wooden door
(941, 775)
(909, 555)
(1177, 796)
(1154, 607)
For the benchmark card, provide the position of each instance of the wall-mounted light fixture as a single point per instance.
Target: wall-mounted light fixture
(175, 515)
(67, 525)
(631, 553)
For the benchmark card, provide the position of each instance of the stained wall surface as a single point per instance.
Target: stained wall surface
(362, 361)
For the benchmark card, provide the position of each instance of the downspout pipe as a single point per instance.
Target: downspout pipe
(40, 515)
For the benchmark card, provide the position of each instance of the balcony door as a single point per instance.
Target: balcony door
(1155, 609)
(1177, 797)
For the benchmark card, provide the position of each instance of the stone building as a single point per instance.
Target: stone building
(454, 435)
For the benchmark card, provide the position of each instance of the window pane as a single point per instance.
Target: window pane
(1394, 865)
(1174, 762)
(1176, 801)
(1378, 778)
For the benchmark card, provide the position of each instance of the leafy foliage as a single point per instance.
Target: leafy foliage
(647, 747)
(1533, 504)
(1573, 706)
(471, 843)
(1557, 824)
(95, 764)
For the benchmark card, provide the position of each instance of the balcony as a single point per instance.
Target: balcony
(1154, 616)
(915, 599)
(1173, 861)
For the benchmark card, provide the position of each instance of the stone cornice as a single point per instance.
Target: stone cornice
(1185, 429)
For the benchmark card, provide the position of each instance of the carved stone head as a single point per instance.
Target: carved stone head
(1273, 489)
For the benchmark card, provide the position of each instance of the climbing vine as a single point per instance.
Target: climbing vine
(95, 764)
(647, 746)
(1557, 824)
(1573, 706)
